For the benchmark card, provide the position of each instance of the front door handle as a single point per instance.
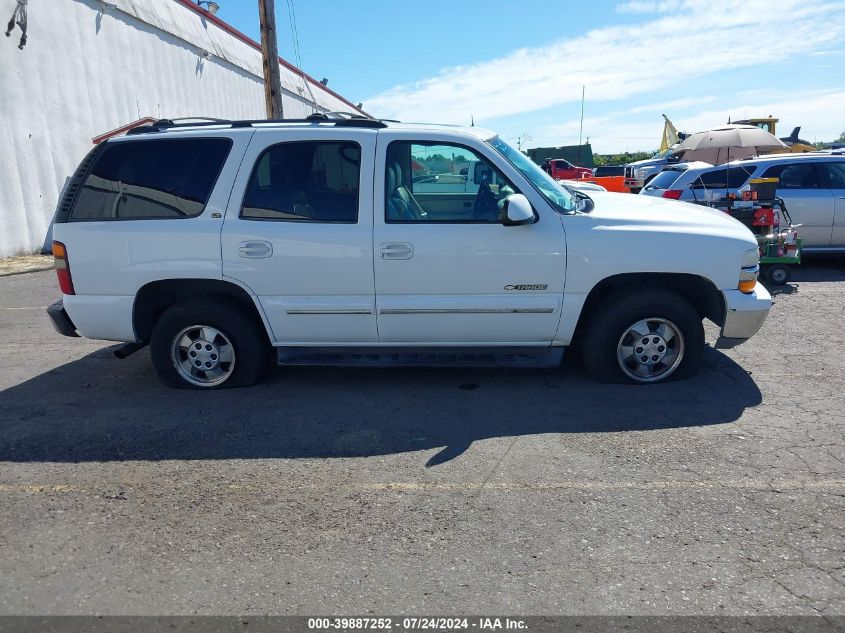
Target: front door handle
(255, 249)
(396, 250)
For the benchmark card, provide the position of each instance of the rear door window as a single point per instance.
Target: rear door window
(795, 176)
(152, 179)
(305, 181)
(730, 178)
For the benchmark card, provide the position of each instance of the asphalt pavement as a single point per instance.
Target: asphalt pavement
(374, 491)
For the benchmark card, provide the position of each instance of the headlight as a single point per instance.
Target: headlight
(751, 258)
(750, 271)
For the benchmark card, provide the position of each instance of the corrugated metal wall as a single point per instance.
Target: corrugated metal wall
(91, 66)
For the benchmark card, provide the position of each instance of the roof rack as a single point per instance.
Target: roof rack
(339, 119)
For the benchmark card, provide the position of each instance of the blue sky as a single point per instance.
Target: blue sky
(518, 68)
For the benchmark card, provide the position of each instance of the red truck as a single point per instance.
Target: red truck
(561, 169)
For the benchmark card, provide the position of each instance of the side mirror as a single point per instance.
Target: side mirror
(517, 211)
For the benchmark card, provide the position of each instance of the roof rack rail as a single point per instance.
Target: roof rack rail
(201, 118)
(339, 119)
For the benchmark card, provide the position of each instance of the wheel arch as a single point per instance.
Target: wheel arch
(700, 292)
(155, 297)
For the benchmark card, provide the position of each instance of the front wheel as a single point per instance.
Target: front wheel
(208, 345)
(643, 337)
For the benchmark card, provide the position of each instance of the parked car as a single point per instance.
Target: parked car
(812, 186)
(561, 169)
(662, 182)
(582, 185)
(224, 246)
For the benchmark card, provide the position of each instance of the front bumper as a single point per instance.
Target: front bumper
(744, 315)
(60, 320)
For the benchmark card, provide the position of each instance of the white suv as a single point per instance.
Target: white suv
(228, 245)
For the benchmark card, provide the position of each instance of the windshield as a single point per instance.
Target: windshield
(559, 197)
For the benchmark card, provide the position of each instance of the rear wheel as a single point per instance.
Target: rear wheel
(643, 337)
(208, 345)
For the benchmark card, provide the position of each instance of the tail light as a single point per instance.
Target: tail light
(673, 194)
(63, 268)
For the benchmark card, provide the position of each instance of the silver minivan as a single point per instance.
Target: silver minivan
(811, 185)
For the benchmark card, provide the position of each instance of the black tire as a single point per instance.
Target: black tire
(778, 275)
(617, 313)
(245, 334)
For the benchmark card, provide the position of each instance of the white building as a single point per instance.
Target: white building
(91, 66)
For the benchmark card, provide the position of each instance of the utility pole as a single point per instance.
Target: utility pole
(270, 52)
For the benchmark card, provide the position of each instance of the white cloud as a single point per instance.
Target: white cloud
(819, 113)
(650, 6)
(671, 106)
(619, 62)
(616, 132)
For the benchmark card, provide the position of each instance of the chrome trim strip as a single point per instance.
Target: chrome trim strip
(313, 312)
(468, 311)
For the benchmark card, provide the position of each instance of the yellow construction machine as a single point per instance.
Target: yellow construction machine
(769, 123)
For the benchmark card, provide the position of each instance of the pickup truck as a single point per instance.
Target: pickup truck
(639, 173)
(228, 246)
(560, 169)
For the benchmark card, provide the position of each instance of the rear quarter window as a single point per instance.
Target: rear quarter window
(795, 175)
(152, 179)
(664, 179)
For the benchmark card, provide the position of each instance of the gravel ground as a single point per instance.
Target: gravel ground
(425, 491)
(25, 264)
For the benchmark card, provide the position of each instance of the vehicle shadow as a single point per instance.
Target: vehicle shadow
(785, 289)
(819, 268)
(101, 409)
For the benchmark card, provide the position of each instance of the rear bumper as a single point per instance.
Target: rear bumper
(105, 317)
(744, 315)
(60, 319)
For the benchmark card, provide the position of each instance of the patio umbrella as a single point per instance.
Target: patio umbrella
(724, 144)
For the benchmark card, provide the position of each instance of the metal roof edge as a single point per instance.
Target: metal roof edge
(225, 26)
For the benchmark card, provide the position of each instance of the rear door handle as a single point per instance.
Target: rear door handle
(396, 250)
(255, 249)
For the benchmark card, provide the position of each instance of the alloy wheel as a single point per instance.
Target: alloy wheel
(650, 350)
(203, 355)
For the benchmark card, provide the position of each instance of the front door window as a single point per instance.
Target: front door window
(442, 183)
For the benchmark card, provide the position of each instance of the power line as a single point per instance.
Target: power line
(294, 31)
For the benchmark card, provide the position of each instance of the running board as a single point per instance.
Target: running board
(422, 357)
